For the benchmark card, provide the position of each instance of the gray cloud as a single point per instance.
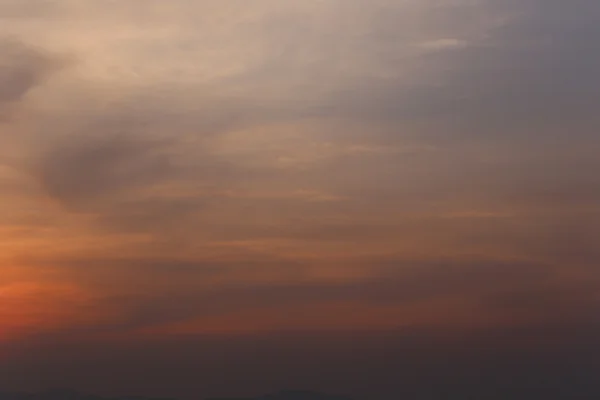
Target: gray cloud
(524, 82)
(496, 97)
(87, 169)
(500, 81)
(22, 68)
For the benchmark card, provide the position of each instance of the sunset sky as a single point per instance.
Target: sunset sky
(226, 197)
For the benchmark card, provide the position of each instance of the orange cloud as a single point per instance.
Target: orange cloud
(41, 307)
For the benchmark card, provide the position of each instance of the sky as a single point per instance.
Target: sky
(230, 197)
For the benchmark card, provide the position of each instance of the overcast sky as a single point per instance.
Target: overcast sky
(210, 183)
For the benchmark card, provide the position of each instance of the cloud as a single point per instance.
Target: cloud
(442, 44)
(81, 170)
(214, 180)
(22, 69)
(166, 297)
(203, 132)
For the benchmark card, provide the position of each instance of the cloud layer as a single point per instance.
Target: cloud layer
(196, 167)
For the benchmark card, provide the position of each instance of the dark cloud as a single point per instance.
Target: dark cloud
(22, 68)
(87, 168)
